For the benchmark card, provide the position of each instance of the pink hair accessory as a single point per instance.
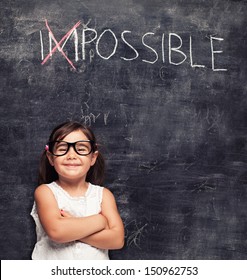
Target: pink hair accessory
(46, 147)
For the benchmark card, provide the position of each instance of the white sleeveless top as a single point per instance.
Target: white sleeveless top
(89, 204)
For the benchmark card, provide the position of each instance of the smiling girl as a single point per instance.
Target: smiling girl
(76, 218)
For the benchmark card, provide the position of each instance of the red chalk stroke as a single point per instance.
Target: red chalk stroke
(58, 44)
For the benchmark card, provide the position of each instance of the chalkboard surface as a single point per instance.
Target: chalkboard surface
(163, 84)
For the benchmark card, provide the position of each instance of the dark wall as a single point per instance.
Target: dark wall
(163, 85)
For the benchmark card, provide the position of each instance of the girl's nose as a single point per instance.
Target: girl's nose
(71, 153)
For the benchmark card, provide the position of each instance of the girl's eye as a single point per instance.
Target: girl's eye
(61, 148)
(82, 148)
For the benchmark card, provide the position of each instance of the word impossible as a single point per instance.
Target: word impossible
(88, 43)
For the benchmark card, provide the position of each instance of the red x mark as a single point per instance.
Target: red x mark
(58, 44)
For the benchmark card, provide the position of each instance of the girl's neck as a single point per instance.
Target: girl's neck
(76, 188)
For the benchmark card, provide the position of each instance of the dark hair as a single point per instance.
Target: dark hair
(47, 172)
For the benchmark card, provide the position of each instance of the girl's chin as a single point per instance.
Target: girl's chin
(72, 166)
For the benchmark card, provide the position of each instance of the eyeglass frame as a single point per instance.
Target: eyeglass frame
(51, 144)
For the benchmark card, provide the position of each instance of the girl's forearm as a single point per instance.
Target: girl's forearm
(67, 229)
(105, 239)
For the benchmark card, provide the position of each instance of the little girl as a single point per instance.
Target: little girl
(75, 217)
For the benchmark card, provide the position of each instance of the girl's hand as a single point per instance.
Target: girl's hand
(65, 214)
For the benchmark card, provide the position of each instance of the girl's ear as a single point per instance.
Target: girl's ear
(94, 157)
(50, 158)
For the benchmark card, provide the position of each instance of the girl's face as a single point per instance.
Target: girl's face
(72, 166)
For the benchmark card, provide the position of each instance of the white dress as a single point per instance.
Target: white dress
(89, 204)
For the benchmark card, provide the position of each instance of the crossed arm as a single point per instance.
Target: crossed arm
(104, 230)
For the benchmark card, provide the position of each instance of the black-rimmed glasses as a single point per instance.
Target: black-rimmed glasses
(60, 148)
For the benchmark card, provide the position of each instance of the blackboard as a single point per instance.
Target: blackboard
(163, 85)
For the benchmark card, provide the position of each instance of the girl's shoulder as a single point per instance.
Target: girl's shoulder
(43, 190)
(99, 187)
(102, 192)
(107, 194)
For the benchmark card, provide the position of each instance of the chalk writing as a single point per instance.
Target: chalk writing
(134, 236)
(89, 118)
(52, 37)
(90, 44)
(213, 51)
